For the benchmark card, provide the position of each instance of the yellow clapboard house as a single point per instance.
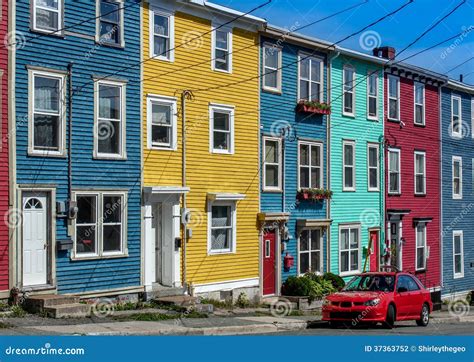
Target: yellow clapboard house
(194, 51)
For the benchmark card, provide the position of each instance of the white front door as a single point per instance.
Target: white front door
(164, 244)
(35, 239)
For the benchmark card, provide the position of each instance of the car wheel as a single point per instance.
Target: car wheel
(390, 318)
(424, 316)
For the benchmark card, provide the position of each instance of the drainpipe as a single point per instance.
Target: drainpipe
(69, 146)
(185, 95)
(328, 162)
(441, 232)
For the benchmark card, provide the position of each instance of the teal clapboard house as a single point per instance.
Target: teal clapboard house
(77, 146)
(356, 162)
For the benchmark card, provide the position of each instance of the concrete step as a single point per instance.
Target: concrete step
(178, 300)
(161, 291)
(37, 303)
(73, 310)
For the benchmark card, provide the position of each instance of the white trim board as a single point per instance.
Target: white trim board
(227, 285)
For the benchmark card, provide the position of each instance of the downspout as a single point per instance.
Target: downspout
(328, 161)
(382, 173)
(441, 232)
(69, 145)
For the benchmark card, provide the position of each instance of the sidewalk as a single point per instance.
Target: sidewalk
(239, 325)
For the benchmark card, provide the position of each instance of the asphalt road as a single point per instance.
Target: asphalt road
(401, 328)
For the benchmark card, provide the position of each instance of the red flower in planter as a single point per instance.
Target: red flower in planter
(315, 107)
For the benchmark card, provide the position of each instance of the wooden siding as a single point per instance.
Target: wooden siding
(89, 59)
(208, 172)
(359, 207)
(277, 113)
(457, 214)
(409, 138)
(4, 186)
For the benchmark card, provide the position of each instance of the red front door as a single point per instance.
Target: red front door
(374, 251)
(269, 276)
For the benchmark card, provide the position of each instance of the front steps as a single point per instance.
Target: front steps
(57, 306)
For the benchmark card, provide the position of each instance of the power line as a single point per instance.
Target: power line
(457, 66)
(309, 55)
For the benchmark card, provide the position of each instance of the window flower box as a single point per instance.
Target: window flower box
(313, 194)
(315, 107)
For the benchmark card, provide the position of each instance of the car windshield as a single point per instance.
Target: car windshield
(377, 283)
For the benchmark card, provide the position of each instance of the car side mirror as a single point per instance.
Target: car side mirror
(402, 290)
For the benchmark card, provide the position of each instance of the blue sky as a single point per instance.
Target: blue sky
(397, 31)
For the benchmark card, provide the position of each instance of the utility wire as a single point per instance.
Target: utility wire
(457, 66)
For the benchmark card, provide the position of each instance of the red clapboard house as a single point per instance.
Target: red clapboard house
(4, 265)
(412, 164)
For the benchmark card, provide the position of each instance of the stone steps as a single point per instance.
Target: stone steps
(57, 306)
(75, 310)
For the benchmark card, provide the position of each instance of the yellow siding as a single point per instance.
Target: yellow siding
(207, 172)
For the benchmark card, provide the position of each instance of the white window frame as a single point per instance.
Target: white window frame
(456, 159)
(350, 227)
(169, 56)
(461, 274)
(423, 120)
(99, 223)
(424, 246)
(456, 134)
(399, 191)
(121, 20)
(279, 164)
(391, 78)
(61, 76)
(279, 50)
(166, 101)
(233, 243)
(229, 30)
(224, 109)
(311, 58)
(353, 144)
(123, 101)
(60, 13)
(352, 91)
(419, 153)
(377, 147)
(372, 74)
(310, 250)
(321, 169)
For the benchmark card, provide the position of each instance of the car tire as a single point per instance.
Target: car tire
(424, 316)
(390, 318)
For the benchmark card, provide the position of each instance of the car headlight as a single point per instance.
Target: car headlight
(372, 302)
(326, 302)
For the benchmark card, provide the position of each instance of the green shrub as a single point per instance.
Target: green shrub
(337, 282)
(242, 301)
(309, 285)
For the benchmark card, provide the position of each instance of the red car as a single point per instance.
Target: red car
(376, 297)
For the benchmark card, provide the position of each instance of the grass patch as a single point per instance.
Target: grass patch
(4, 325)
(296, 313)
(217, 303)
(17, 311)
(157, 317)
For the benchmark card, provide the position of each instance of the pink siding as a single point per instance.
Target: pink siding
(3, 149)
(410, 138)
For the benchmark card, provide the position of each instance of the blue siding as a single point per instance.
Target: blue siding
(277, 112)
(457, 214)
(89, 59)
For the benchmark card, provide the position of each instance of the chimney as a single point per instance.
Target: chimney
(461, 78)
(385, 52)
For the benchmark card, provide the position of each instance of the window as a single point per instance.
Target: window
(457, 177)
(349, 256)
(373, 166)
(272, 164)
(348, 172)
(419, 103)
(394, 176)
(458, 254)
(456, 118)
(420, 173)
(163, 35)
(420, 246)
(310, 242)
(310, 78)
(222, 129)
(310, 158)
(110, 120)
(407, 282)
(372, 95)
(110, 22)
(271, 68)
(393, 98)
(222, 50)
(47, 15)
(100, 224)
(348, 99)
(162, 123)
(222, 232)
(46, 126)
